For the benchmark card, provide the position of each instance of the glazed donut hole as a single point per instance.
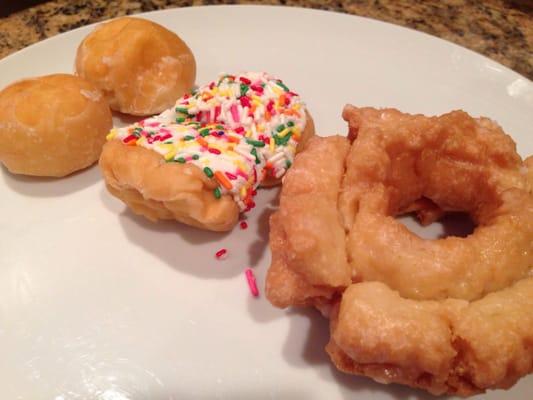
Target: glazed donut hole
(52, 125)
(141, 67)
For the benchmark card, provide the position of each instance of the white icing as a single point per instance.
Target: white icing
(236, 160)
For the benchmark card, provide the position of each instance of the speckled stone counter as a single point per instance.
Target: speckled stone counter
(499, 29)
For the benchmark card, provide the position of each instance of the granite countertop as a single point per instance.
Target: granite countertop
(499, 29)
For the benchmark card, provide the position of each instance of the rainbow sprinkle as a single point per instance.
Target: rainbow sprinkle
(221, 254)
(252, 284)
(238, 130)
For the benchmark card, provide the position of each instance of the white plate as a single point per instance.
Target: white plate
(96, 303)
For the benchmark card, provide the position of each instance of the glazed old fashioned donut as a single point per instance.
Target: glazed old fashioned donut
(52, 125)
(201, 161)
(141, 67)
(452, 315)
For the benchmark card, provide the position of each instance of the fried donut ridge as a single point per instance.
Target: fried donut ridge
(307, 263)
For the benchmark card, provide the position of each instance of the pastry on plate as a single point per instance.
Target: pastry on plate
(52, 125)
(141, 67)
(452, 315)
(201, 161)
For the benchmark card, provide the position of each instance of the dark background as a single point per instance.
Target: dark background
(10, 6)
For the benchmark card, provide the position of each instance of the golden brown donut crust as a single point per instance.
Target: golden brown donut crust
(140, 66)
(52, 125)
(159, 190)
(453, 315)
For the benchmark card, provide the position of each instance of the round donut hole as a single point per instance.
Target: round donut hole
(458, 224)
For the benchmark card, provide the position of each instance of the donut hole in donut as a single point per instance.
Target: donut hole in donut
(457, 224)
(428, 221)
